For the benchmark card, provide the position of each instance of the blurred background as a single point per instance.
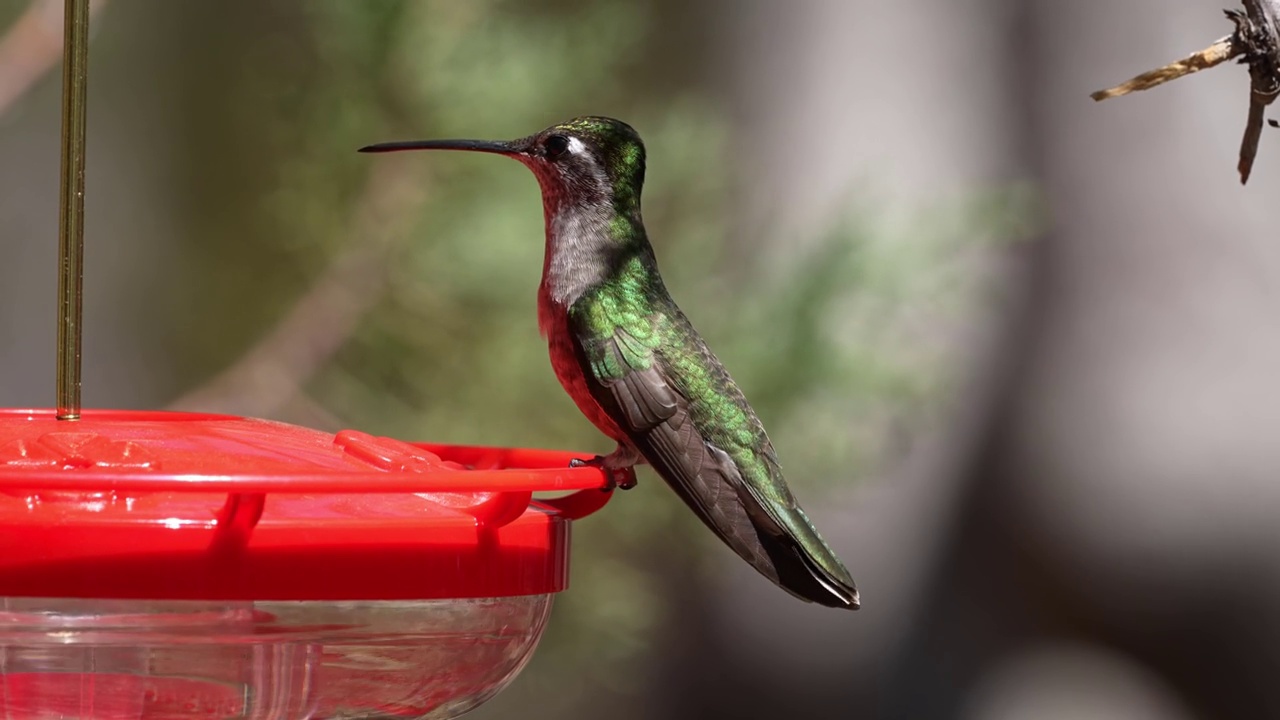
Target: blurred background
(1017, 350)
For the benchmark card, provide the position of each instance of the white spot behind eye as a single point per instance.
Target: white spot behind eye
(576, 146)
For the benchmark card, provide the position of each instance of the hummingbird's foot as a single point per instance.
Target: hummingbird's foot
(623, 478)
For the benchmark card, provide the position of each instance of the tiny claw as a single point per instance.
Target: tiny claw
(624, 478)
(620, 478)
(597, 461)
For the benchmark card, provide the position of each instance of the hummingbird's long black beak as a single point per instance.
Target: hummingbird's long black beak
(500, 147)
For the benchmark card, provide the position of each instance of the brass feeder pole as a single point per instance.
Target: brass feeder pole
(75, 78)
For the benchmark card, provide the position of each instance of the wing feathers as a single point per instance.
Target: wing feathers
(628, 379)
(642, 393)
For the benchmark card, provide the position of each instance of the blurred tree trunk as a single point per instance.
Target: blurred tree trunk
(1104, 562)
(1070, 573)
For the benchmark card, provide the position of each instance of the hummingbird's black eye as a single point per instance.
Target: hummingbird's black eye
(555, 146)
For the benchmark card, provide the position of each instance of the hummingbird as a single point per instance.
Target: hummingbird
(635, 366)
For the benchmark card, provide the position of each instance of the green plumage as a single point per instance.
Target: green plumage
(631, 332)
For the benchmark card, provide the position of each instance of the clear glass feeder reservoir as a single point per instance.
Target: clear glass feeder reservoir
(166, 565)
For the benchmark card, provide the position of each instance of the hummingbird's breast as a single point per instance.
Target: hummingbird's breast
(553, 321)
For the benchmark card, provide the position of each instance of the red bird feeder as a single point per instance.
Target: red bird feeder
(179, 565)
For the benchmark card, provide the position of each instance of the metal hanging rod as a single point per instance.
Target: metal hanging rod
(75, 79)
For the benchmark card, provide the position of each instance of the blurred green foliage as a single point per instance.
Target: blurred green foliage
(840, 344)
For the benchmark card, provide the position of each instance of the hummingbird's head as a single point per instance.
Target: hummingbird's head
(585, 162)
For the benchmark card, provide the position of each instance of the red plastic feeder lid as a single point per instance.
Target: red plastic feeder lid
(158, 505)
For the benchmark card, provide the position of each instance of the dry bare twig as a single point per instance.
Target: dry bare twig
(1256, 43)
(1221, 51)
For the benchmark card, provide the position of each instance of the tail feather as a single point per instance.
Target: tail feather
(807, 574)
(783, 546)
(819, 559)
